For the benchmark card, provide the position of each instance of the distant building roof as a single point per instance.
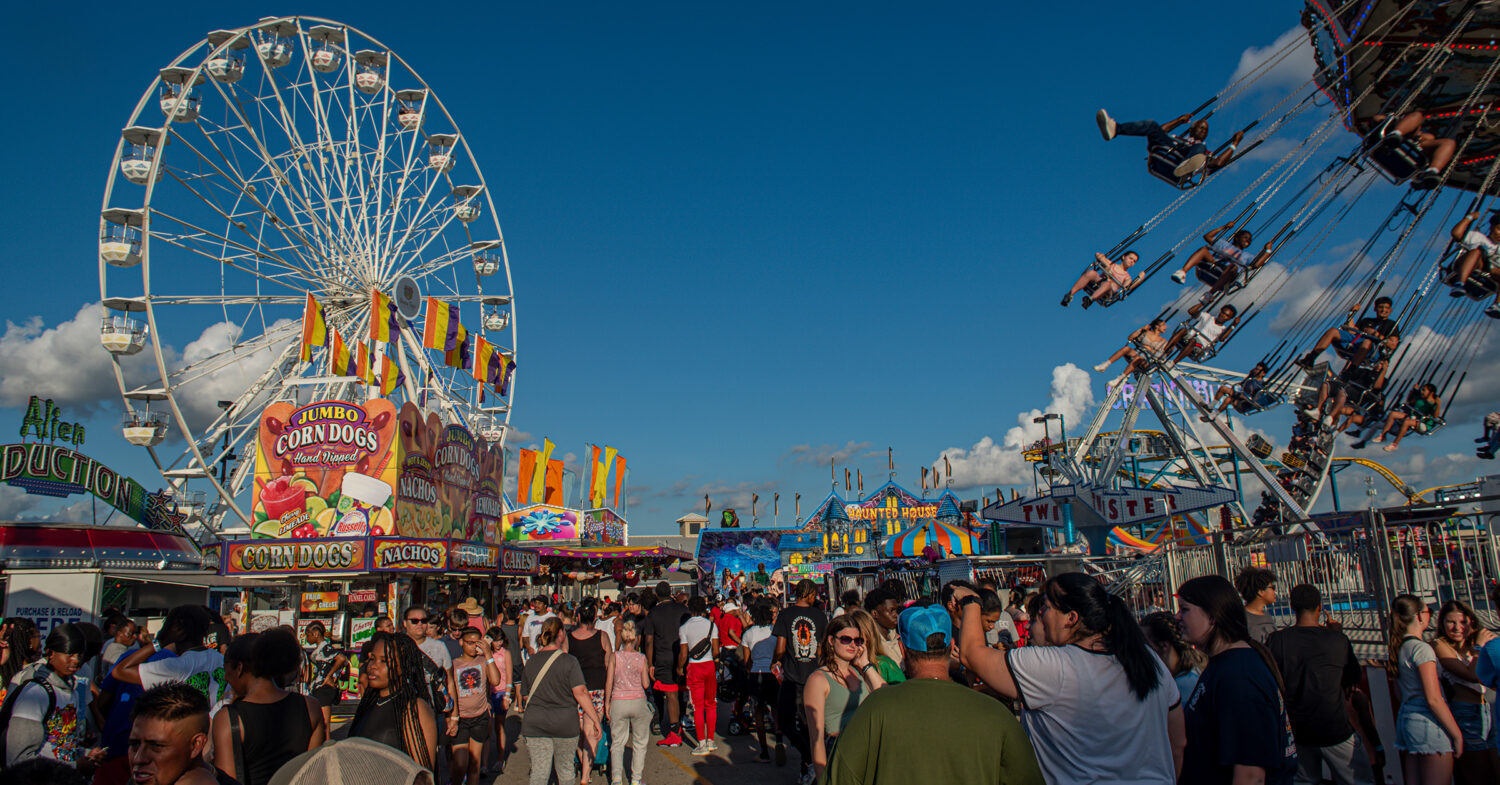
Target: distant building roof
(692, 517)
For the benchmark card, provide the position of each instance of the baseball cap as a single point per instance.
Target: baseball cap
(920, 621)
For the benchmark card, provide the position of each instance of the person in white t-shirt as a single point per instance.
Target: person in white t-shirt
(1097, 703)
(758, 648)
(184, 632)
(1481, 254)
(1203, 333)
(531, 622)
(698, 649)
(1229, 253)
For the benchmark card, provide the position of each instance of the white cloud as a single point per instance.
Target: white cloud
(989, 463)
(806, 453)
(1292, 68)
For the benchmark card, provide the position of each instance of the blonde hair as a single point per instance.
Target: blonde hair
(628, 636)
(869, 630)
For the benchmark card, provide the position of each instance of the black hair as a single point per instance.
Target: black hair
(114, 622)
(93, 639)
(760, 614)
(1106, 614)
(186, 626)
(1383, 300)
(896, 588)
(275, 653)
(407, 687)
(806, 588)
(632, 597)
(1233, 311)
(67, 639)
(850, 597)
(945, 595)
(989, 601)
(512, 613)
(1163, 628)
(497, 634)
(1252, 581)
(877, 597)
(173, 701)
(19, 639)
(698, 606)
(663, 589)
(411, 608)
(1305, 597)
(42, 771)
(316, 626)
(467, 631)
(241, 650)
(1245, 232)
(588, 611)
(1224, 608)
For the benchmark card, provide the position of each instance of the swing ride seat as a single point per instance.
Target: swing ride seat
(1262, 401)
(1259, 447)
(1163, 159)
(1093, 286)
(1396, 159)
(1479, 286)
(1426, 426)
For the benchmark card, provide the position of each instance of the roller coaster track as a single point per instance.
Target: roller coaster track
(1396, 482)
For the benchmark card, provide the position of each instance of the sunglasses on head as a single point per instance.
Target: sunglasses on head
(849, 640)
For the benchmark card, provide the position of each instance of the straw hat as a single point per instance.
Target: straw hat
(355, 762)
(471, 607)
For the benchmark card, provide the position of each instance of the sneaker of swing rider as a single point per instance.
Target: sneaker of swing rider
(1493, 311)
(1180, 276)
(1457, 291)
(1427, 179)
(1106, 125)
(1189, 165)
(1087, 301)
(1101, 367)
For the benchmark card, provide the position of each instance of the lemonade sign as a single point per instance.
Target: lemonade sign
(327, 469)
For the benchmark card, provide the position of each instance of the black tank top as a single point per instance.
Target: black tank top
(274, 734)
(590, 654)
(380, 723)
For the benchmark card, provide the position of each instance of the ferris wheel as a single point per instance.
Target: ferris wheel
(293, 157)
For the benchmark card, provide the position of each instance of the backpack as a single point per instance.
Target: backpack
(9, 707)
(437, 685)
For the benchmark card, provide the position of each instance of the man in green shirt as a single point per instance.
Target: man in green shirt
(930, 729)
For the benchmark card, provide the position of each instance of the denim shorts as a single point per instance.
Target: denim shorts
(1477, 723)
(1418, 732)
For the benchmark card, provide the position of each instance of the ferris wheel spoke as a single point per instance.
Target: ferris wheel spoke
(217, 255)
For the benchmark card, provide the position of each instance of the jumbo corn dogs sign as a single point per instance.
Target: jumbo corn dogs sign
(339, 469)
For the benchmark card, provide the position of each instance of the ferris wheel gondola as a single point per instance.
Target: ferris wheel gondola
(323, 165)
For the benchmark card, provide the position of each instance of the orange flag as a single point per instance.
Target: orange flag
(525, 469)
(554, 483)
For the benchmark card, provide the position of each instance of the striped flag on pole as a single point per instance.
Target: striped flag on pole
(383, 319)
(314, 327)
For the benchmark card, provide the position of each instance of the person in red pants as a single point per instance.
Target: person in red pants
(698, 650)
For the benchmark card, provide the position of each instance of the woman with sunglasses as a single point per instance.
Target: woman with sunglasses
(1426, 733)
(845, 677)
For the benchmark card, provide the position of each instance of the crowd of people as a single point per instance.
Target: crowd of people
(1061, 684)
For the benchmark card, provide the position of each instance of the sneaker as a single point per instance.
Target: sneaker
(701, 750)
(1101, 367)
(1311, 413)
(1087, 301)
(1205, 418)
(1190, 165)
(1390, 448)
(1067, 299)
(1427, 179)
(1360, 445)
(1457, 291)
(763, 757)
(1353, 431)
(1378, 439)
(713, 746)
(780, 753)
(1485, 454)
(1106, 124)
(670, 740)
(1179, 276)
(1306, 361)
(1493, 311)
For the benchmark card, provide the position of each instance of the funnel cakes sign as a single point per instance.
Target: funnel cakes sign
(327, 469)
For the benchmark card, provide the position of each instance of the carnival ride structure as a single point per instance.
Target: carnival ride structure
(290, 158)
(1376, 61)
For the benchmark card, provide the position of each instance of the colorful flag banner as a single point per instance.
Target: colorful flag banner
(458, 355)
(619, 480)
(314, 327)
(391, 376)
(384, 324)
(442, 330)
(609, 462)
(484, 364)
(554, 483)
(507, 367)
(539, 473)
(339, 359)
(525, 471)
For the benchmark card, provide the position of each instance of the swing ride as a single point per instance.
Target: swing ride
(1399, 110)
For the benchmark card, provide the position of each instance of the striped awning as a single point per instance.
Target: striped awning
(950, 540)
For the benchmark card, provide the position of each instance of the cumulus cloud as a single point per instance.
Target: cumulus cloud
(67, 363)
(990, 463)
(1292, 67)
(806, 453)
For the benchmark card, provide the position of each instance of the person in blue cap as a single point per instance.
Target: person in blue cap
(929, 728)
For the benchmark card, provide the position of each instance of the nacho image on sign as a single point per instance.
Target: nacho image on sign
(392, 554)
(251, 557)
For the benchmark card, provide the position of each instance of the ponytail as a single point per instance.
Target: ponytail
(1404, 611)
(1100, 612)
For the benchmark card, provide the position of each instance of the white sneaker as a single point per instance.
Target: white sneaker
(1378, 439)
(713, 746)
(1106, 125)
(1190, 164)
(701, 750)
(1179, 276)
(1311, 412)
(1101, 367)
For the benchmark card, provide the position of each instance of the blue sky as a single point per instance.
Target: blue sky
(744, 239)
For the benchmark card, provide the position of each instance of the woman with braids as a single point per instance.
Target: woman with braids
(1237, 725)
(1426, 733)
(265, 726)
(1184, 662)
(1098, 705)
(393, 710)
(1469, 700)
(20, 645)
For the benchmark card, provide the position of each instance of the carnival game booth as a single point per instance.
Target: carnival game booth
(932, 539)
(55, 574)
